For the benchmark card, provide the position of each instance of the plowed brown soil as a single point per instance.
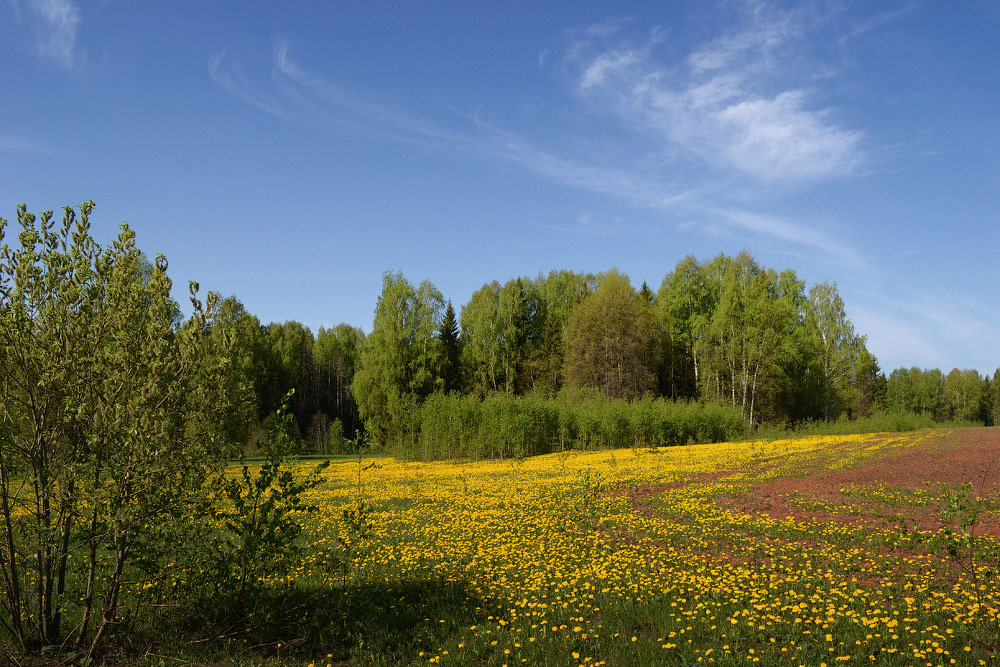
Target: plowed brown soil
(964, 455)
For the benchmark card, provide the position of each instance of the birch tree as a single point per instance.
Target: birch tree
(838, 349)
(481, 355)
(685, 302)
(748, 332)
(400, 362)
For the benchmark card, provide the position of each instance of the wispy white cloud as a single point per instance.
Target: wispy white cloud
(751, 45)
(54, 25)
(607, 65)
(12, 143)
(674, 198)
(589, 225)
(304, 97)
(798, 233)
(232, 81)
(877, 21)
(295, 94)
(623, 183)
(731, 103)
(780, 138)
(606, 28)
(370, 113)
(692, 135)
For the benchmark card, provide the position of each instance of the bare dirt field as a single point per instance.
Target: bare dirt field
(906, 485)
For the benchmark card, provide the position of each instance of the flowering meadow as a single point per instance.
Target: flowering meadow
(650, 556)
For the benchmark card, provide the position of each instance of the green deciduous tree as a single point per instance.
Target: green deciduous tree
(258, 511)
(685, 302)
(290, 367)
(109, 421)
(836, 347)
(335, 358)
(918, 391)
(963, 391)
(749, 333)
(561, 291)
(608, 341)
(401, 360)
(551, 299)
(481, 356)
(501, 327)
(238, 333)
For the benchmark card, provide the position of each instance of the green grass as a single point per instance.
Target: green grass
(537, 563)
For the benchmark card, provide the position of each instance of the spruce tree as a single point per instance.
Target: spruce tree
(647, 294)
(452, 368)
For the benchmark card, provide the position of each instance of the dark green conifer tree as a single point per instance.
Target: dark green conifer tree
(647, 294)
(451, 343)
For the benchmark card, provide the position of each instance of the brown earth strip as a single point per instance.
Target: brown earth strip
(965, 455)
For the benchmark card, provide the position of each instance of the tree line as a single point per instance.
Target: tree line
(725, 332)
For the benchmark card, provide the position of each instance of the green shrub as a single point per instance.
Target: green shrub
(502, 426)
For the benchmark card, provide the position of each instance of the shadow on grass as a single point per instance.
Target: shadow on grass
(367, 623)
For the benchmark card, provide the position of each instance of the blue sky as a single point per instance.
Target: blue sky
(290, 153)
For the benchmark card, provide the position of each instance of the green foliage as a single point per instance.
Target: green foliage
(962, 395)
(993, 402)
(878, 422)
(837, 350)
(481, 355)
(747, 341)
(916, 390)
(510, 427)
(608, 341)
(290, 367)
(725, 331)
(686, 300)
(111, 419)
(548, 358)
(336, 442)
(513, 321)
(451, 373)
(870, 385)
(400, 362)
(647, 295)
(963, 392)
(960, 510)
(335, 359)
(737, 332)
(259, 511)
(978, 557)
(239, 335)
(561, 291)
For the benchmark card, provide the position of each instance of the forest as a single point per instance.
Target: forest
(722, 348)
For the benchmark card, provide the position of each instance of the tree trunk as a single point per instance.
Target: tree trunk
(12, 585)
(111, 604)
